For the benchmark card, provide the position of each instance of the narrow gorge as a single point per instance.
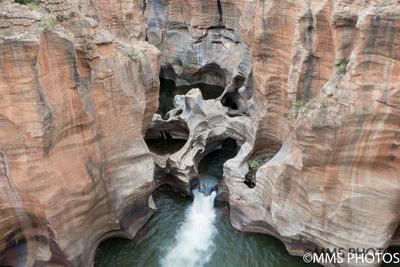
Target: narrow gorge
(198, 133)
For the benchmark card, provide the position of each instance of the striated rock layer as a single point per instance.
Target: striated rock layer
(74, 167)
(312, 87)
(335, 182)
(324, 83)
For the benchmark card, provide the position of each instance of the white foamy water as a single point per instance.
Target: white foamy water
(194, 243)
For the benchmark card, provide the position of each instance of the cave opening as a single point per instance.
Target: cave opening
(168, 90)
(165, 145)
(259, 158)
(232, 98)
(164, 138)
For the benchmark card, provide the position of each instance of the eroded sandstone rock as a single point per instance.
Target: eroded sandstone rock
(74, 167)
(334, 182)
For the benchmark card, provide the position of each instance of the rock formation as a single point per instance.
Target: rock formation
(335, 181)
(74, 104)
(313, 86)
(324, 84)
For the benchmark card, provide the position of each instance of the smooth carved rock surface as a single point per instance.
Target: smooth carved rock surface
(335, 180)
(207, 123)
(74, 167)
(73, 109)
(200, 40)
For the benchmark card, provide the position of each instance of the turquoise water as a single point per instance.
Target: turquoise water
(231, 248)
(152, 242)
(160, 235)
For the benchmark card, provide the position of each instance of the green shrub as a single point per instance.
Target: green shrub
(339, 71)
(255, 163)
(132, 53)
(320, 106)
(297, 106)
(34, 7)
(48, 21)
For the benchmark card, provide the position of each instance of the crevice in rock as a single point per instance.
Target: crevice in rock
(220, 21)
(259, 158)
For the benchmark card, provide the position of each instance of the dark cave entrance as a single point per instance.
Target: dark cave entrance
(164, 137)
(168, 90)
(165, 145)
(232, 99)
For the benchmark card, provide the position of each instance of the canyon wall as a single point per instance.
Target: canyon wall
(312, 86)
(324, 84)
(335, 182)
(74, 103)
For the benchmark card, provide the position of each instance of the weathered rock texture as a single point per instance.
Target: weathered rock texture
(200, 40)
(74, 167)
(335, 181)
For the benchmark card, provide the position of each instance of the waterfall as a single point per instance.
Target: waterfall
(194, 244)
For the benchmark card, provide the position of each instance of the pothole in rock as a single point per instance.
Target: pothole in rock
(165, 146)
(173, 233)
(210, 168)
(258, 159)
(168, 90)
(166, 137)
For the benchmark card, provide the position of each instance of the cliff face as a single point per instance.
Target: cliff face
(324, 83)
(200, 41)
(72, 111)
(335, 181)
(312, 84)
